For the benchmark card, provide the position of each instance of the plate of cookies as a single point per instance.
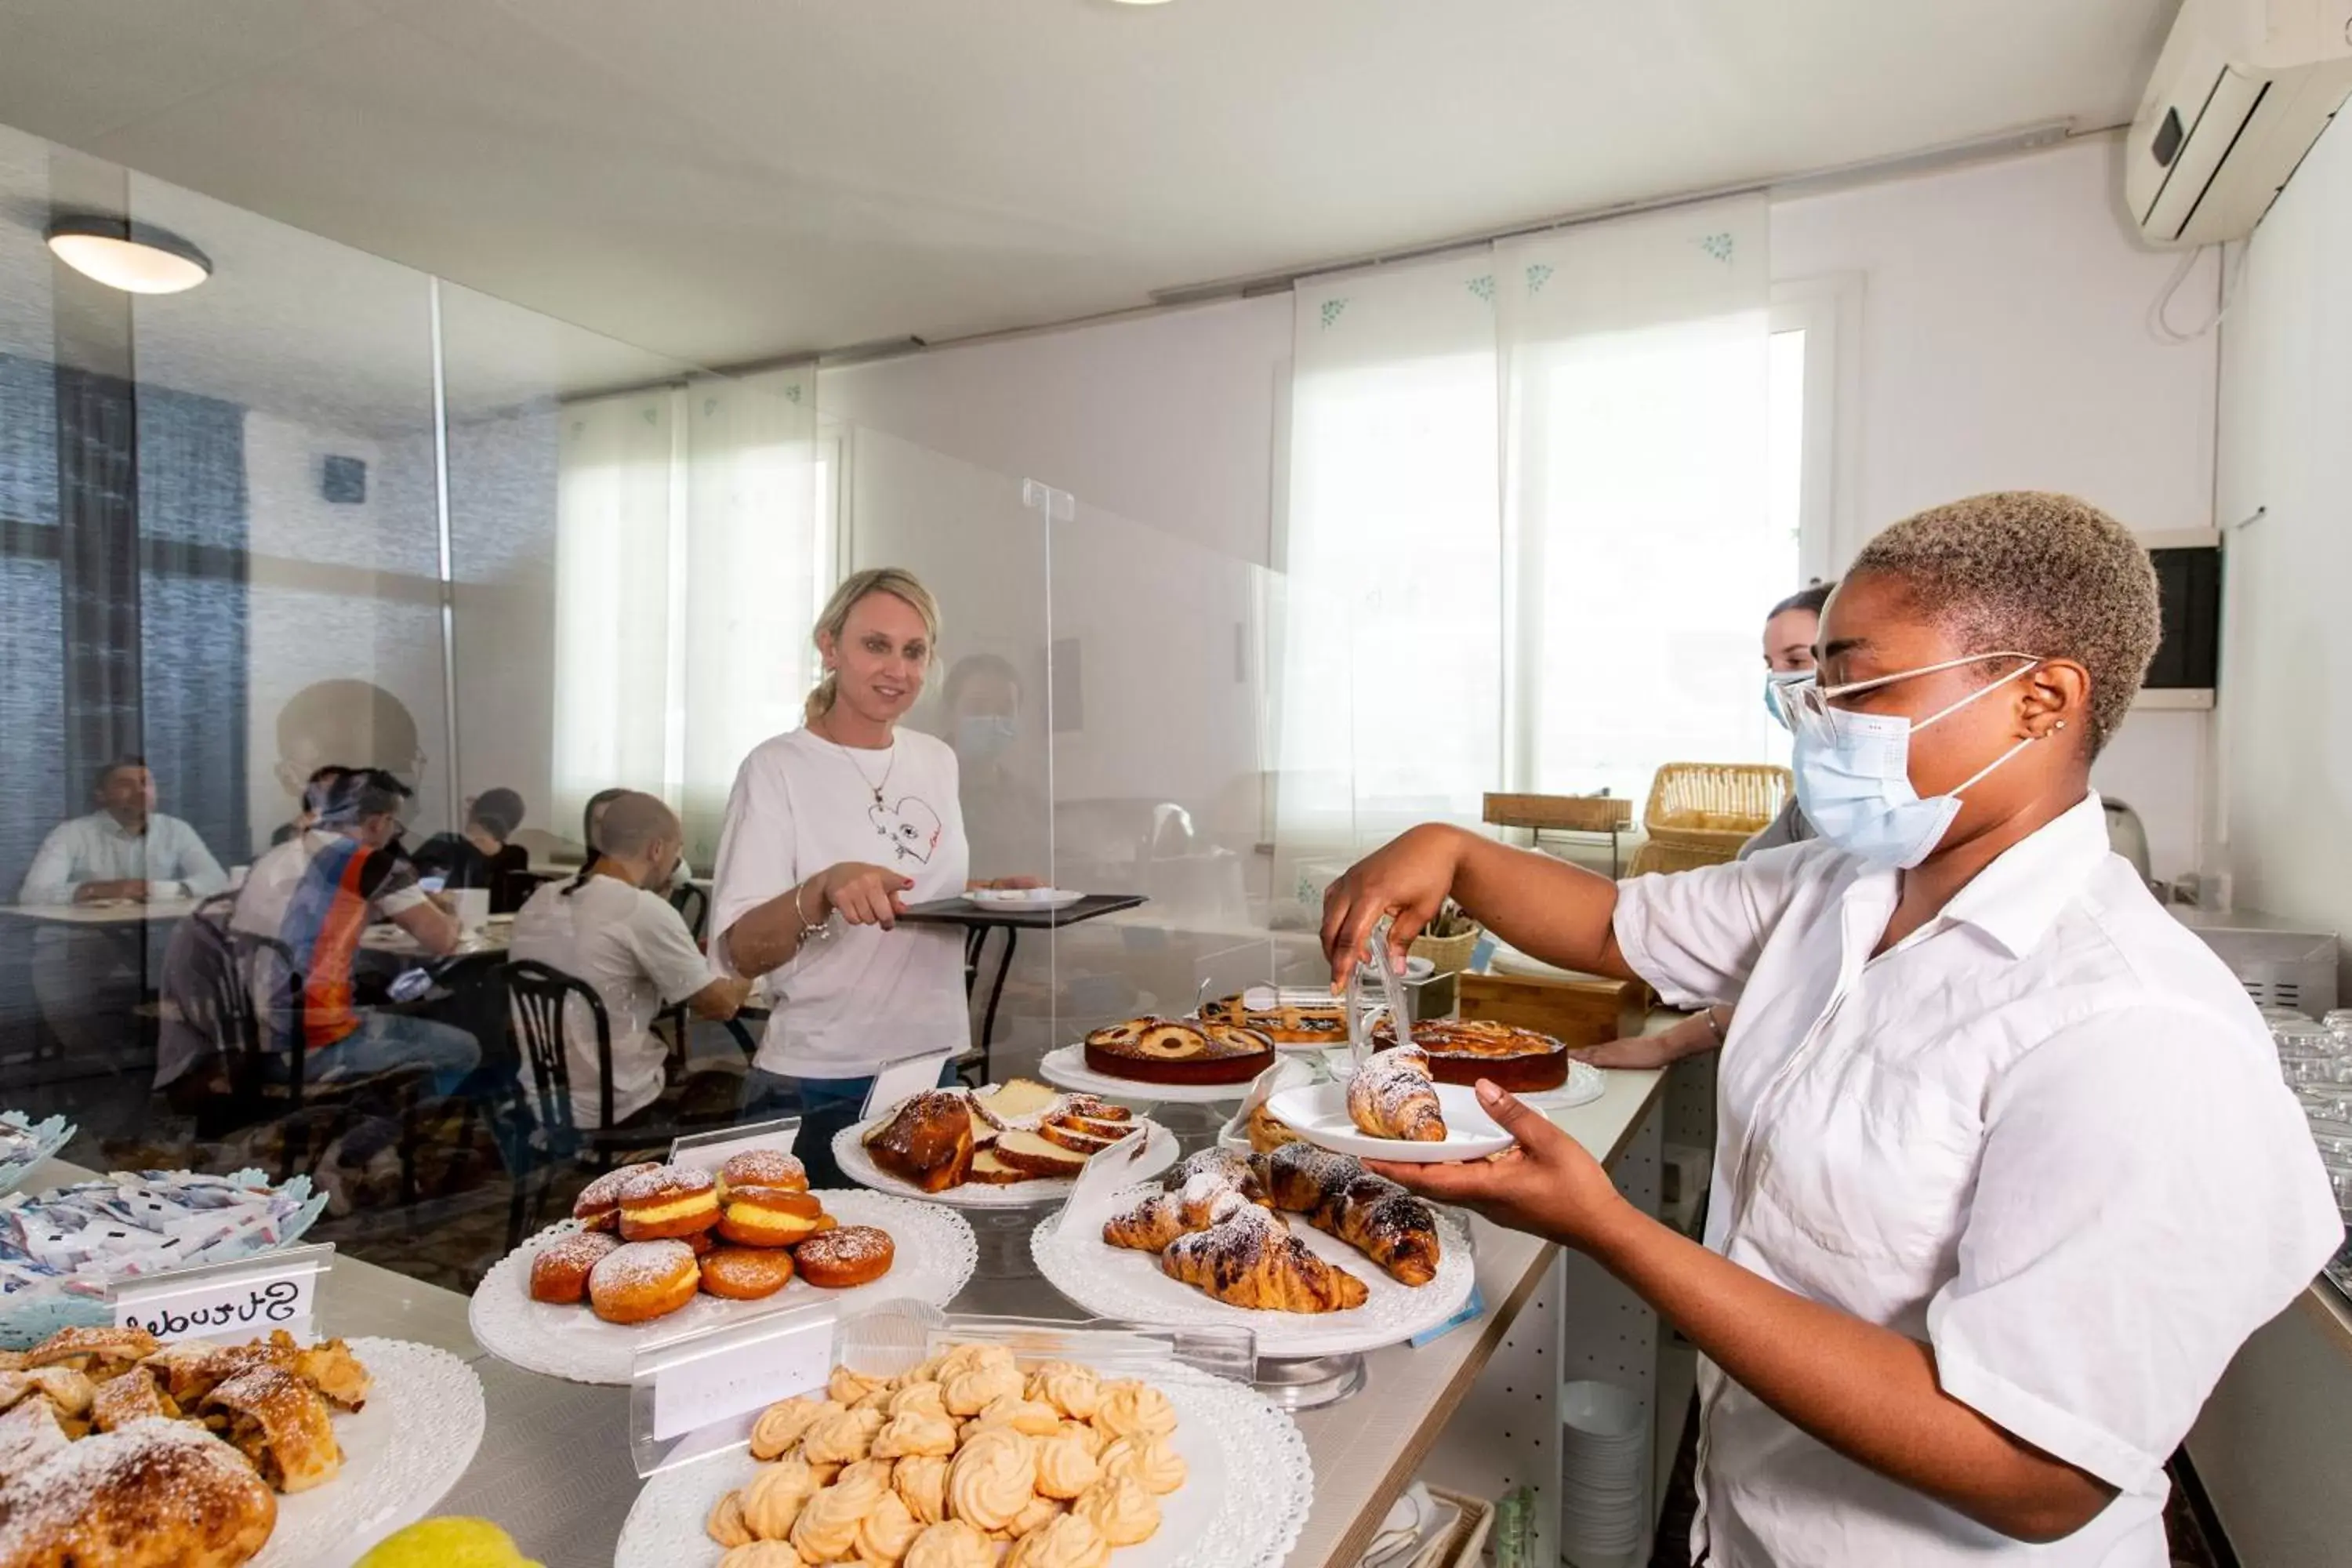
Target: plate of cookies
(116, 1448)
(975, 1459)
(655, 1250)
(1307, 1249)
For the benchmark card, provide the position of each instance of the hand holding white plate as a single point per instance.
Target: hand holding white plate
(1025, 897)
(1319, 1113)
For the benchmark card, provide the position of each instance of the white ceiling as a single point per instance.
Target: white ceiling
(726, 180)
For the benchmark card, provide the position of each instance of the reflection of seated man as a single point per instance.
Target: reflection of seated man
(353, 722)
(480, 857)
(306, 810)
(125, 849)
(1005, 816)
(318, 893)
(88, 979)
(608, 928)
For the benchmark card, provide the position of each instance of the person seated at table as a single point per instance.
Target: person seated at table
(314, 795)
(125, 849)
(480, 856)
(612, 929)
(318, 893)
(89, 979)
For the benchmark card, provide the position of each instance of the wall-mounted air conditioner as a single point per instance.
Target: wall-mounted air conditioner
(2244, 88)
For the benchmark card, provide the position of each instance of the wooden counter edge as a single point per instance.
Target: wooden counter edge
(2327, 1308)
(1352, 1542)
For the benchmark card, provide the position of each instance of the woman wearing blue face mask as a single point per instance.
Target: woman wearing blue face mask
(2004, 1169)
(1006, 817)
(1788, 632)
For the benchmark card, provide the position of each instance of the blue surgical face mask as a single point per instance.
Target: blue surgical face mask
(1854, 772)
(981, 736)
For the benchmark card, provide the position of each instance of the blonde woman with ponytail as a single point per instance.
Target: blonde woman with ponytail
(832, 830)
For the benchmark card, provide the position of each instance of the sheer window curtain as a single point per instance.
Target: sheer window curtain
(1527, 540)
(686, 583)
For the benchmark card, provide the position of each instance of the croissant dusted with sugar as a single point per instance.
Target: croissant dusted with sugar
(1248, 1259)
(1391, 1097)
(1371, 1214)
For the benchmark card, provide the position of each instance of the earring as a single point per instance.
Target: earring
(2062, 723)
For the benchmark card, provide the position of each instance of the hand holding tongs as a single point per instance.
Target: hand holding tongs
(1393, 998)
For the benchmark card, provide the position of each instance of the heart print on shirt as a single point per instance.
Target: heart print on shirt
(911, 827)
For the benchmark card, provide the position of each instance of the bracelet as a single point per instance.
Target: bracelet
(1712, 1027)
(822, 930)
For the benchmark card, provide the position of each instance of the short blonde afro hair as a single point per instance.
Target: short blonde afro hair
(2039, 573)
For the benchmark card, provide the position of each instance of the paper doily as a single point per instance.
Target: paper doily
(1123, 1282)
(849, 1153)
(1243, 1504)
(401, 1455)
(935, 1253)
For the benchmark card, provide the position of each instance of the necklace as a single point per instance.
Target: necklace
(851, 758)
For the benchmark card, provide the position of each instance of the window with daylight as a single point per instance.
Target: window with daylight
(1541, 495)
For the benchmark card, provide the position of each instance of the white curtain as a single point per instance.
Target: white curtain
(687, 573)
(1528, 543)
(1637, 522)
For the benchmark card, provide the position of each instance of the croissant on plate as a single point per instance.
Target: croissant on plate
(1391, 1097)
(1371, 1214)
(1248, 1258)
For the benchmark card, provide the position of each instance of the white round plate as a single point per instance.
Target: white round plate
(1023, 897)
(1243, 1502)
(1123, 1282)
(935, 1254)
(401, 1455)
(1066, 1069)
(1586, 1083)
(1159, 1151)
(1319, 1113)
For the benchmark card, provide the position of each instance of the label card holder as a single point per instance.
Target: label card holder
(693, 1396)
(245, 1298)
(894, 1081)
(1096, 1192)
(706, 1151)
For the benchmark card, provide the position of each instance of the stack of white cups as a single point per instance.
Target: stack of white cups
(1605, 1474)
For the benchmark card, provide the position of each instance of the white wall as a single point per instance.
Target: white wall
(2272, 1446)
(1170, 419)
(2005, 346)
(2003, 343)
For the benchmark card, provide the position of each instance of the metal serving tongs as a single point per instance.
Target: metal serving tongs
(1393, 999)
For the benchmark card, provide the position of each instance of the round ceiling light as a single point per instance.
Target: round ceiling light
(136, 258)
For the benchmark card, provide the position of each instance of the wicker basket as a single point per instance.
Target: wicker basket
(1464, 1545)
(1713, 806)
(1449, 954)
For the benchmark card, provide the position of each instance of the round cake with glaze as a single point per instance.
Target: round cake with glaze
(1463, 1050)
(1179, 1051)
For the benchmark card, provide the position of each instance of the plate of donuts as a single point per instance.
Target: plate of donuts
(655, 1250)
(1182, 1471)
